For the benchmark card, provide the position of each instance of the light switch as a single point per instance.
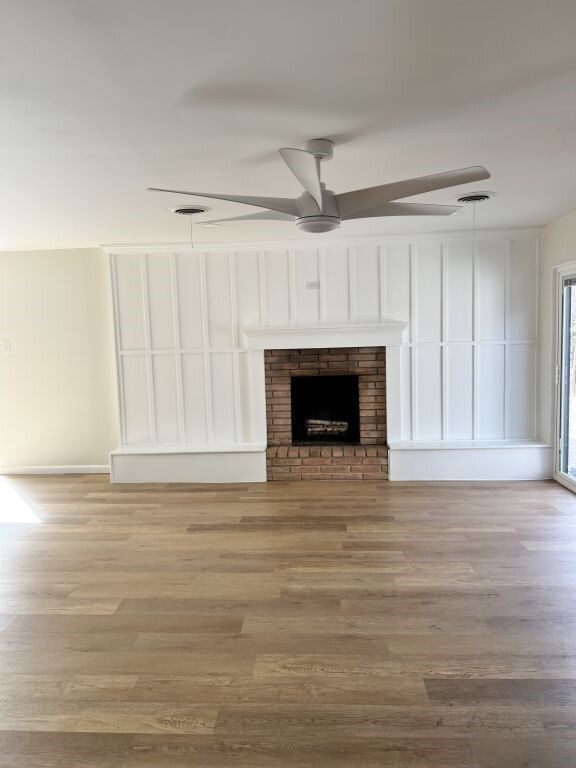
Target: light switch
(6, 346)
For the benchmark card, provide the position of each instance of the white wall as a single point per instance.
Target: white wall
(559, 247)
(468, 363)
(57, 385)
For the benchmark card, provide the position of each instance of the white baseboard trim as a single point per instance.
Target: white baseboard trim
(65, 469)
(188, 466)
(505, 462)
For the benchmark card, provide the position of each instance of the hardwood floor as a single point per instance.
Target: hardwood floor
(309, 625)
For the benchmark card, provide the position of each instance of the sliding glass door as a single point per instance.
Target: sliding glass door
(567, 381)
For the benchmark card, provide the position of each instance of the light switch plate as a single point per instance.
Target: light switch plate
(6, 346)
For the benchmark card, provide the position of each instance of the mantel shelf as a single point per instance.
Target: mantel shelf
(384, 334)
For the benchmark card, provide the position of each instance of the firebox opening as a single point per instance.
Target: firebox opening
(325, 409)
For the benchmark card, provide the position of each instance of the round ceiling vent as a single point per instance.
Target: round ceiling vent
(475, 197)
(190, 210)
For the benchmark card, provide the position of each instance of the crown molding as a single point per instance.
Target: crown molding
(320, 241)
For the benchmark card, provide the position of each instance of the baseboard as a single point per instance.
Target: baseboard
(506, 462)
(66, 469)
(188, 467)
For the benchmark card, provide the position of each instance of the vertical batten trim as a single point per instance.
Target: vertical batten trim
(237, 398)
(148, 345)
(204, 300)
(321, 261)
(119, 370)
(444, 394)
(536, 334)
(382, 289)
(351, 254)
(319, 291)
(413, 293)
(475, 404)
(233, 287)
(208, 399)
(262, 288)
(506, 361)
(178, 346)
(413, 350)
(209, 418)
(407, 354)
(291, 288)
(414, 392)
(247, 402)
(475, 391)
(400, 380)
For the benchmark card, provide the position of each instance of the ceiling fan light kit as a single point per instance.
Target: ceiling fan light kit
(320, 210)
(317, 223)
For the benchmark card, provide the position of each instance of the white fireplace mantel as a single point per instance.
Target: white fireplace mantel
(383, 334)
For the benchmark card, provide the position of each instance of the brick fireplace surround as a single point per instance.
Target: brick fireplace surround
(369, 459)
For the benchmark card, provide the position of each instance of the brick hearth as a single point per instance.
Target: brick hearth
(327, 462)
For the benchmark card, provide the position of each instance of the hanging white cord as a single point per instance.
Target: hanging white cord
(191, 233)
(473, 229)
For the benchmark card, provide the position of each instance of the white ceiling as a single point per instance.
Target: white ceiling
(101, 98)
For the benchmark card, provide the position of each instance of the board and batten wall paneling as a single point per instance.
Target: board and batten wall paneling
(490, 391)
(130, 300)
(136, 405)
(161, 305)
(491, 288)
(427, 292)
(466, 369)
(196, 407)
(458, 391)
(427, 392)
(189, 279)
(277, 288)
(335, 305)
(366, 284)
(458, 288)
(304, 286)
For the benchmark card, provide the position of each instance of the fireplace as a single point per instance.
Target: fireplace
(325, 409)
(326, 414)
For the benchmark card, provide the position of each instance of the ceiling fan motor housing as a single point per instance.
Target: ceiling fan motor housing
(323, 149)
(318, 223)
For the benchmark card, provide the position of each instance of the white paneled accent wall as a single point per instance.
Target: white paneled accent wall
(466, 370)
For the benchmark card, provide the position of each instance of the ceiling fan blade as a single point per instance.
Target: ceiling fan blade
(283, 204)
(361, 199)
(403, 209)
(260, 216)
(306, 168)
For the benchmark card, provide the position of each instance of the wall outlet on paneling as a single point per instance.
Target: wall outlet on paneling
(313, 285)
(6, 346)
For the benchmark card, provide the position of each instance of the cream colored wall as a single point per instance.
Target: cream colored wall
(558, 247)
(57, 386)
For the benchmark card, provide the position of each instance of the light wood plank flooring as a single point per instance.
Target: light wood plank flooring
(306, 625)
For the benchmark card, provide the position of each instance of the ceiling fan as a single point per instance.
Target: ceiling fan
(320, 210)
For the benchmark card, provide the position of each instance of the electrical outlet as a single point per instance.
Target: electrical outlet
(6, 346)
(313, 285)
